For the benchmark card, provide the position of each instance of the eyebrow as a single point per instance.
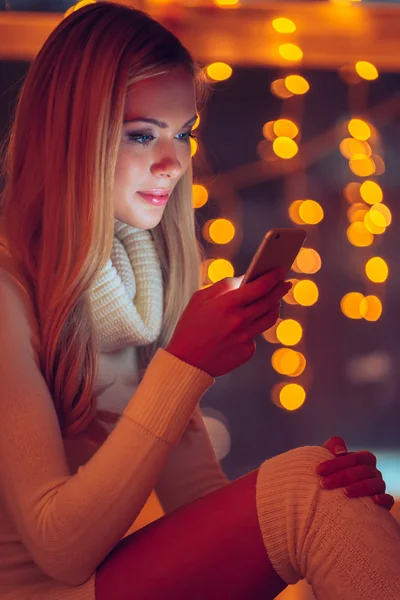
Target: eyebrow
(161, 124)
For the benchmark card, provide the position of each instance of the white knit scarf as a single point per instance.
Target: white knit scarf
(127, 296)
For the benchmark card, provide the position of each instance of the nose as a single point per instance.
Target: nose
(167, 166)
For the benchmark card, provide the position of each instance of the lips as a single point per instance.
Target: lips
(155, 197)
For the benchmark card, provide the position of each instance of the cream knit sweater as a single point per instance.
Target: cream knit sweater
(64, 505)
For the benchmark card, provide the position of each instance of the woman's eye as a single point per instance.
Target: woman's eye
(184, 137)
(140, 138)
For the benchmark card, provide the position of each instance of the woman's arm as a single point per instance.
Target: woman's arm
(192, 469)
(70, 523)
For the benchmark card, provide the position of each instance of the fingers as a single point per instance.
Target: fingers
(363, 457)
(336, 445)
(250, 292)
(369, 487)
(348, 477)
(384, 500)
(267, 303)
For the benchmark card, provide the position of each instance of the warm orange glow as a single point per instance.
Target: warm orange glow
(376, 269)
(290, 52)
(366, 70)
(359, 129)
(371, 308)
(285, 128)
(294, 212)
(357, 212)
(308, 261)
(371, 192)
(352, 192)
(297, 84)
(358, 234)
(292, 396)
(279, 89)
(219, 71)
(284, 147)
(193, 147)
(351, 148)
(200, 195)
(268, 131)
(306, 292)
(363, 167)
(311, 212)
(289, 332)
(283, 25)
(221, 231)
(219, 269)
(350, 305)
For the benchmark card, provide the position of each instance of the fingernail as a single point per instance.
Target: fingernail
(339, 449)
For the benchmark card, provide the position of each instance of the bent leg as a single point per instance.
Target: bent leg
(347, 549)
(211, 548)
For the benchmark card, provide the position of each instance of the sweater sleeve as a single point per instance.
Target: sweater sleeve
(192, 469)
(69, 523)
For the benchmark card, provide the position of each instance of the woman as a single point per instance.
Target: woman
(99, 156)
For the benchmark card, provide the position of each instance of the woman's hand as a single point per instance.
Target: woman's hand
(217, 329)
(356, 472)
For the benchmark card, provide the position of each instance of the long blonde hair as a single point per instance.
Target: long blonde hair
(57, 204)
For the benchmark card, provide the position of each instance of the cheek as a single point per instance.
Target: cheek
(128, 168)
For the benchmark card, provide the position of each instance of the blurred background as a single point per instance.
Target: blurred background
(302, 128)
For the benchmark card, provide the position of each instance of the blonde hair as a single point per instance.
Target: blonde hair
(57, 204)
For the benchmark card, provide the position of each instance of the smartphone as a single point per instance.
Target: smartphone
(278, 249)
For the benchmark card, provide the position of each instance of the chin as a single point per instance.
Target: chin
(141, 219)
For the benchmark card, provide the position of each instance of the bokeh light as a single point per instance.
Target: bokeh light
(307, 261)
(285, 128)
(292, 396)
(270, 334)
(219, 269)
(371, 308)
(200, 195)
(290, 52)
(289, 298)
(381, 215)
(285, 147)
(279, 89)
(288, 362)
(350, 305)
(219, 71)
(356, 149)
(311, 212)
(357, 212)
(358, 234)
(193, 146)
(294, 212)
(283, 25)
(359, 129)
(297, 84)
(268, 131)
(362, 166)
(352, 192)
(367, 70)
(375, 223)
(221, 231)
(371, 192)
(377, 269)
(289, 332)
(306, 292)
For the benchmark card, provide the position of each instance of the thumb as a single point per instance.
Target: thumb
(222, 286)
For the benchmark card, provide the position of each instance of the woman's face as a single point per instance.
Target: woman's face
(154, 150)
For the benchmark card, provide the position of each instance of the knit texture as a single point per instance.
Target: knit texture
(127, 296)
(347, 549)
